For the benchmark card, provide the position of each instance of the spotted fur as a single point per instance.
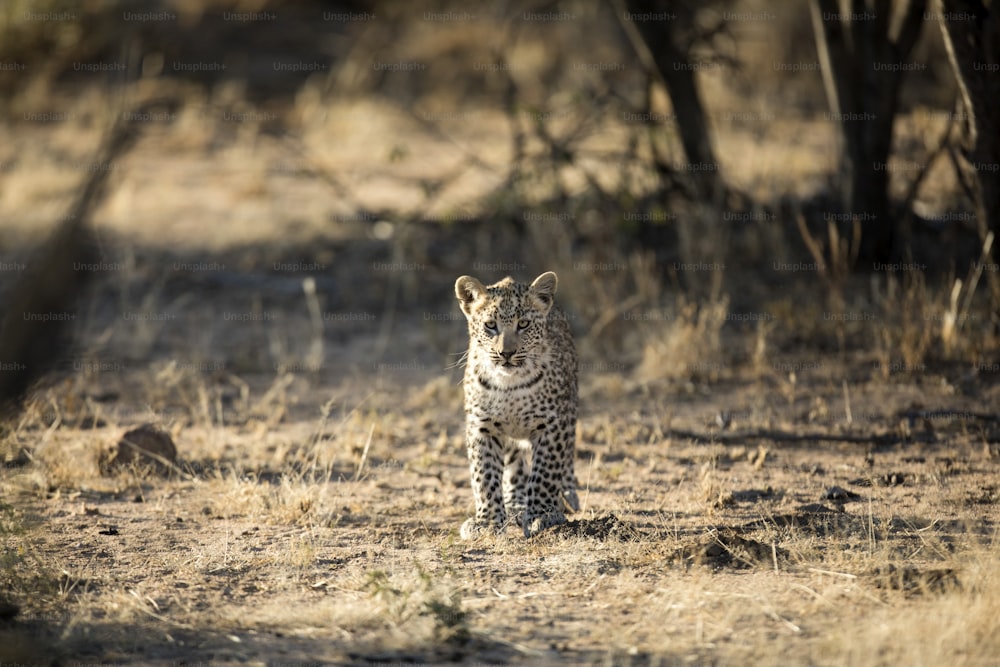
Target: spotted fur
(520, 404)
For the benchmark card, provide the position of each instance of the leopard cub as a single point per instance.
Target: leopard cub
(520, 404)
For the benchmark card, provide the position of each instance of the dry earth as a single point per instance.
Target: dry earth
(335, 540)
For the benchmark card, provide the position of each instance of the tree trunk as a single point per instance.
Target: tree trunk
(677, 72)
(35, 331)
(863, 67)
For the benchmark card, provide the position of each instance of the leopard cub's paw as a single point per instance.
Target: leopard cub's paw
(536, 524)
(472, 529)
(571, 500)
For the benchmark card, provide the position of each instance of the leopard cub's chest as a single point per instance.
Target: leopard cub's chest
(519, 407)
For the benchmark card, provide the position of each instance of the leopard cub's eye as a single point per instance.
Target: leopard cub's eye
(490, 326)
(523, 324)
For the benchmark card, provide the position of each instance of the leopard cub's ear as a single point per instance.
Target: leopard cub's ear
(543, 289)
(468, 290)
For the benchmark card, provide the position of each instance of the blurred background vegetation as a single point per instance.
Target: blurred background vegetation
(715, 182)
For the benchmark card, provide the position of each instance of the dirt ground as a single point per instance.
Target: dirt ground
(783, 498)
(788, 537)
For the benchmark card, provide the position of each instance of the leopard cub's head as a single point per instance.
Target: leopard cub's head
(508, 320)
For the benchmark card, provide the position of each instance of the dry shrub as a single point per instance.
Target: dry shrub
(687, 344)
(919, 322)
(905, 335)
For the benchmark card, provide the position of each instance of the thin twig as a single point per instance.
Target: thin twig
(364, 454)
(833, 573)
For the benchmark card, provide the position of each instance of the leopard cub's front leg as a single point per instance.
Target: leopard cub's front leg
(486, 468)
(546, 488)
(515, 481)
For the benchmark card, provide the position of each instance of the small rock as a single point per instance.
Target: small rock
(146, 445)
